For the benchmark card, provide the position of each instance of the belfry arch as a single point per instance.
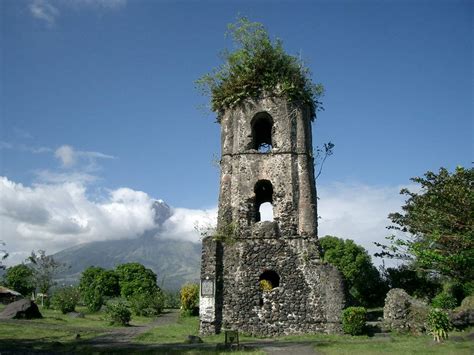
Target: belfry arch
(262, 126)
(263, 194)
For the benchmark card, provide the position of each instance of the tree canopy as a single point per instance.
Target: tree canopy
(20, 279)
(44, 268)
(258, 65)
(363, 281)
(96, 284)
(134, 278)
(436, 226)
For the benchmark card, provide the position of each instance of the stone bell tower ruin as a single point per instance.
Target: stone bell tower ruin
(266, 277)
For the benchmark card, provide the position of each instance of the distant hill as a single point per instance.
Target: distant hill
(174, 261)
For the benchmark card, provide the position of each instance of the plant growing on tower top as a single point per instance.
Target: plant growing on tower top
(258, 65)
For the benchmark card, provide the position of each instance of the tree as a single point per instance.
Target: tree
(189, 296)
(44, 268)
(438, 225)
(20, 279)
(258, 65)
(363, 281)
(415, 283)
(134, 278)
(96, 284)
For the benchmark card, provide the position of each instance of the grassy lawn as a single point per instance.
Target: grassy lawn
(59, 333)
(56, 329)
(177, 333)
(459, 343)
(396, 344)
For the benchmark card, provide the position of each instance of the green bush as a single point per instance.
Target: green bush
(118, 313)
(93, 300)
(444, 300)
(148, 305)
(189, 300)
(96, 285)
(172, 299)
(134, 278)
(353, 320)
(257, 66)
(65, 299)
(439, 324)
(468, 288)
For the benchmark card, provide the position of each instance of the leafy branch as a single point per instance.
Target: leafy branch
(321, 155)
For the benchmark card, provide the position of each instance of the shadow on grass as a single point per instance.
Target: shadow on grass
(34, 346)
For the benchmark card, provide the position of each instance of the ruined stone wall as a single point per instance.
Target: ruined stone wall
(289, 167)
(309, 296)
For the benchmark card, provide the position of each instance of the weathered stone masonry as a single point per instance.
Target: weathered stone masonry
(267, 158)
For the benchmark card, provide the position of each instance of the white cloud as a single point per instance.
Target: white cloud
(187, 224)
(87, 161)
(358, 212)
(44, 10)
(55, 216)
(66, 154)
(24, 148)
(48, 10)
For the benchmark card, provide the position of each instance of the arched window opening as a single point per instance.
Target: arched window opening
(262, 125)
(263, 193)
(268, 280)
(266, 212)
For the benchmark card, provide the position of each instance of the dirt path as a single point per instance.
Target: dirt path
(277, 348)
(122, 337)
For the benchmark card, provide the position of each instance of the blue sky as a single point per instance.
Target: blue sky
(100, 94)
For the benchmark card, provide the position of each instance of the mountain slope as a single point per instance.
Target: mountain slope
(174, 261)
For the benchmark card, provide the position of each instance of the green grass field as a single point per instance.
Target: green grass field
(60, 333)
(326, 344)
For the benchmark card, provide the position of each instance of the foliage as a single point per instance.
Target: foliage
(65, 299)
(172, 299)
(189, 295)
(439, 324)
(439, 221)
(20, 279)
(257, 66)
(148, 305)
(363, 280)
(444, 300)
(265, 285)
(134, 278)
(353, 320)
(118, 313)
(321, 155)
(415, 282)
(468, 288)
(96, 284)
(44, 268)
(226, 233)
